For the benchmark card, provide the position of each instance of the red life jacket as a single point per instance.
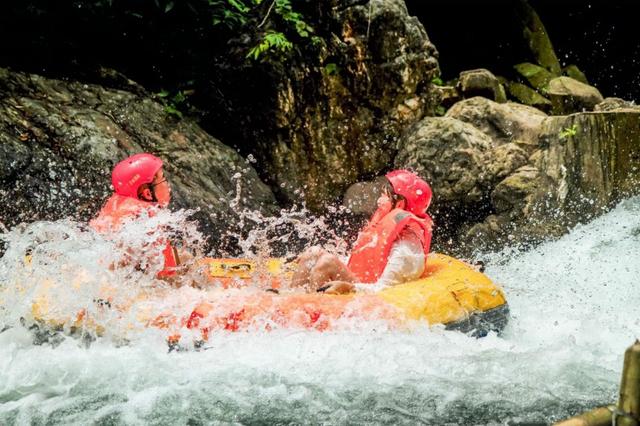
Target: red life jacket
(119, 209)
(370, 253)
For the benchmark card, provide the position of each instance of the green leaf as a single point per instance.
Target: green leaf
(238, 4)
(162, 94)
(317, 41)
(172, 110)
(331, 68)
(569, 131)
(179, 97)
(169, 6)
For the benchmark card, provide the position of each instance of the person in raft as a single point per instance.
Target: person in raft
(391, 249)
(140, 186)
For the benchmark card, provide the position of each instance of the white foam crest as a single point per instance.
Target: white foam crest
(68, 275)
(579, 289)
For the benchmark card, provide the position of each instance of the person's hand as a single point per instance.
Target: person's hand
(340, 287)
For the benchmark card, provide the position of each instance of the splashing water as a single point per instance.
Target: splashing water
(574, 311)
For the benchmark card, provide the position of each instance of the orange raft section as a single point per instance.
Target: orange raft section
(451, 293)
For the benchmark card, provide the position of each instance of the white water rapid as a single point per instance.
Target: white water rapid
(574, 306)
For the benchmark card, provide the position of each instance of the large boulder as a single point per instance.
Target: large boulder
(503, 160)
(450, 155)
(336, 117)
(503, 122)
(593, 159)
(568, 96)
(465, 156)
(59, 141)
(514, 194)
(587, 163)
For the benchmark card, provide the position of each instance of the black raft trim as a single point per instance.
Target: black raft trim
(479, 324)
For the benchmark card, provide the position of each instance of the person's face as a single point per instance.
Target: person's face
(396, 200)
(161, 188)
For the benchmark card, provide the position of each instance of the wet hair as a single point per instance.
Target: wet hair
(387, 188)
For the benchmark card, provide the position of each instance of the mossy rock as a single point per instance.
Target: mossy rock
(526, 95)
(537, 37)
(537, 76)
(574, 72)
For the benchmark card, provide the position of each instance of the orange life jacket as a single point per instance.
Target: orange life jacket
(119, 209)
(370, 253)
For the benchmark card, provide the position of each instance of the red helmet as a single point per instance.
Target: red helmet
(129, 174)
(416, 191)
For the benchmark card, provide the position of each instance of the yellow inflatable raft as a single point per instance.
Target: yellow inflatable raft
(451, 293)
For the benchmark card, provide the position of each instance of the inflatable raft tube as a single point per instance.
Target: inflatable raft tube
(451, 293)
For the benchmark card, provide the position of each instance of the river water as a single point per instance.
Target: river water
(574, 305)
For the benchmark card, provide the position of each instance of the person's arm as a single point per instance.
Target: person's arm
(406, 263)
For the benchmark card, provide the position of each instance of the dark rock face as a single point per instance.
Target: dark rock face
(60, 140)
(336, 119)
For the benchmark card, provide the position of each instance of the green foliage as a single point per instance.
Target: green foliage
(273, 24)
(437, 81)
(440, 110)
(271, 41)
(230, 13)
(284, 9)
(331, 68)
(174, 101)
(273, 27)
(569, 131)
